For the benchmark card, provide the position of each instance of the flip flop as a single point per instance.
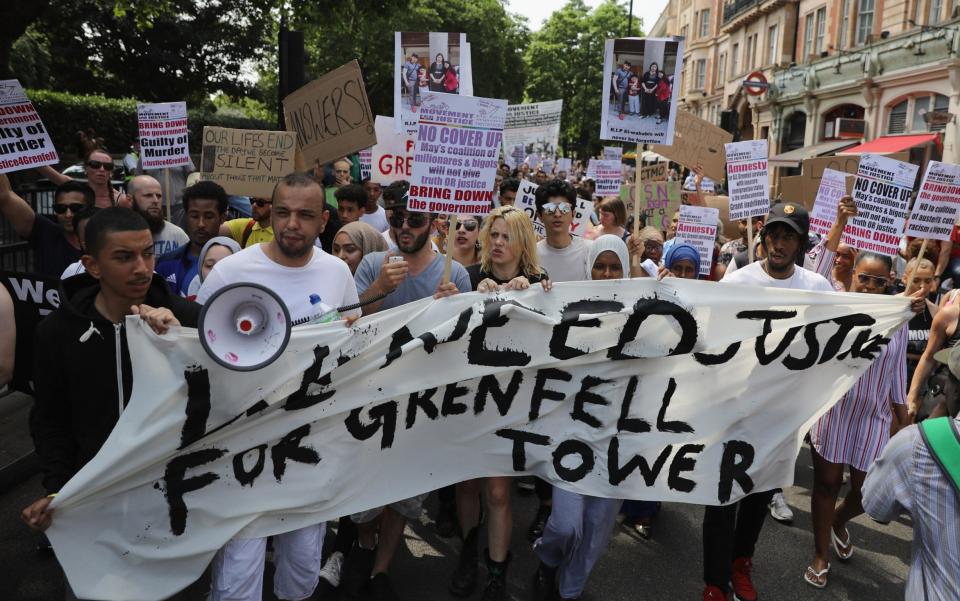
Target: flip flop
(816, 579)
(843, 550)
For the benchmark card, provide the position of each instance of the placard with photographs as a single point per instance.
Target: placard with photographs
(427, 62)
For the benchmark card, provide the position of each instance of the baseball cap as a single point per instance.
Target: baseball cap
(395, 195)
(792, 214)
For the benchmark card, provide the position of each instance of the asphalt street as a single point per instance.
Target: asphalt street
(665, 568)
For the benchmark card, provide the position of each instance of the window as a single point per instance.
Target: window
(897, 123)
(941, 104)
(756, 46)
(750, 58)
(735, 61)
(807, 36)
(701, 74)
(864, 21)
(821, 29)
(705, 23)
(683, 32)
(920, 108)
(773, 57)
(936, 7)
(722, 69)
(844, 23)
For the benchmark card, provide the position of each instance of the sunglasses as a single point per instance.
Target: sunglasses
(467, 225)
(553, 207)
(414, 220)
(100, 165)
(261, 202)
(73, 207)
(876, 280)
(650, 245)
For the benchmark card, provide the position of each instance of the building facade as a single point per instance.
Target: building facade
(836, 68)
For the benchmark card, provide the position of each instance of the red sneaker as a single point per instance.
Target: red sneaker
(714, 593)
(740, 580)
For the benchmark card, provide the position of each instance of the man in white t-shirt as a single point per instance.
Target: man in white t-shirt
(295, 269)
(562, 254)
(374, 213)
(730, 532)
(147, 198)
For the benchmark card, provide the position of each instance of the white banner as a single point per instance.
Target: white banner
(833, 187)
(698, 228)
(747, 179)
(24, 141)
(164, 137)
(391, 158)
(938, 203)
(455, 161)
(882, 192)
(535, 126)
(680, 391)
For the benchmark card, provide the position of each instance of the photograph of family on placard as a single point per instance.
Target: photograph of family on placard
(428, 62)
(640, 90)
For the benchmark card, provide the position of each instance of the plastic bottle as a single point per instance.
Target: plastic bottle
(322, 313)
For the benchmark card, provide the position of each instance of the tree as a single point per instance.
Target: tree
(15, 17)
(565, 60)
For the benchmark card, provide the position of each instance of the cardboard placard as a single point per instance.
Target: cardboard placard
(331, 115)
(656, 172)
(660, 200)
(938, 203)
(164, 137)
(698, 142)
(247, 162)
(24, 141)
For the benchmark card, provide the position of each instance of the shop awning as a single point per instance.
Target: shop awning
(891, 144)
(794, 158)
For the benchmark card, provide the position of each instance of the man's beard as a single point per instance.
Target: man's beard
(155, 223)
(418, 243)
(291, 252)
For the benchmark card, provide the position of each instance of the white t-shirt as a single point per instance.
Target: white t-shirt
(802, 279)
(566, 264)
(378, 220)
(169, 239)
(324, 275)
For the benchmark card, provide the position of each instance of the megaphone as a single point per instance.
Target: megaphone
(244, 326)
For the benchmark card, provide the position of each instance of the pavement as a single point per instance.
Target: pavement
(667, 567)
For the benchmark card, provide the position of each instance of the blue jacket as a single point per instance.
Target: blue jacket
(178, 268)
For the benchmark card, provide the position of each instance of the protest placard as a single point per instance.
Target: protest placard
(658, 201)
(455, 157)
(698, 228)
(697, 142)
(656, 172)
(613, 153)
(547, 166)
(938, 203)
(563, 164)
(331, 115)
(392, 156)
(606, 174)
(246, 162)
(514, 156)
(427, 62)
(535, 126)
(747, 179)
(882, 192)
(833, 187)
(24, 141)
(366, 160)
(671, 417)
(532, 160)
(527, 200)
(639, 102)
(164, 137)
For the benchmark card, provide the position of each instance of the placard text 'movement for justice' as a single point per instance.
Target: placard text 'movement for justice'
(24, 142)
(456, 156)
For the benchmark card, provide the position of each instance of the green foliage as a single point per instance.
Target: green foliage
(115, 120)
(30, 59)
(565, 60)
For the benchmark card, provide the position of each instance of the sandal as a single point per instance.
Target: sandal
(816, 579)
(844, 550)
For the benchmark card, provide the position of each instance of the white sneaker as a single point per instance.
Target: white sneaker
(779, 509)
(331, 570)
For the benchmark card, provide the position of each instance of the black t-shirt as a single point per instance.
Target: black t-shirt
(51, 251)
(650, 80)
(477, 276)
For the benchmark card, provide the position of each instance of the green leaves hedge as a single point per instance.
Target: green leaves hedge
(115, 120)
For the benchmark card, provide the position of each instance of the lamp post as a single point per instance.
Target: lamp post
(630, 21)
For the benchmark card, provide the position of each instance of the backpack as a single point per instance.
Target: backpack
(941, 437)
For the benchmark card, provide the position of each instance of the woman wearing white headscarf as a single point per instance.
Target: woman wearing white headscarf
(580, 526)
(215, 249)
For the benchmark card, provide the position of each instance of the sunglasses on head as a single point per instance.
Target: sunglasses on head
(261, 202)
(99, 165)
(552, 207)
(866, 279)
(468, 225)
(413, 219)
(73, 207)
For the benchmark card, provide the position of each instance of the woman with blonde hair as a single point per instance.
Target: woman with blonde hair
(508, 261)
(613, 219)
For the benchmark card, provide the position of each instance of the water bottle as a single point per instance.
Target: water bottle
(322, 313)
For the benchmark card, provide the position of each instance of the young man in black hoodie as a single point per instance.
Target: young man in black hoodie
(83, 372)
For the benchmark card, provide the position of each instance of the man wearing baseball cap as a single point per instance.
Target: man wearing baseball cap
(730, 533)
